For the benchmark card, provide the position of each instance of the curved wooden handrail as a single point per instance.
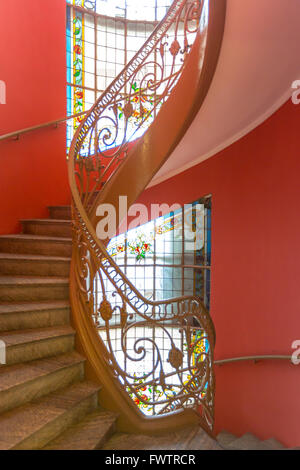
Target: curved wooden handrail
(154, 148)
(266, 357)
(15, 135)
(187, 97)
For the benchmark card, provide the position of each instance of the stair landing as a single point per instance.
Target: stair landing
(193, 438)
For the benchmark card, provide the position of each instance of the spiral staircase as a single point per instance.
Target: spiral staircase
(64, 385)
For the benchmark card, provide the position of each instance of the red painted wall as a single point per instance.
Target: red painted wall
(32, 63)
(256, 224)
(255, 272)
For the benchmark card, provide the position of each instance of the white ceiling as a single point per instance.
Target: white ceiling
(259, 60)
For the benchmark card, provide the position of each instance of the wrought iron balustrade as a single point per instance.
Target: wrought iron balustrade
(172, 340)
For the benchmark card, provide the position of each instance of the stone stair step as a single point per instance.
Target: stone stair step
(89, 434)
(192, 438)
(248, 442)
(60, 212)
(33, 425)
(225, 438)
(273, 444)
(36, 245)
(34, 265)
(21, 383)
(21, 289)
(22, 316)
(47, 227)
(29, 345)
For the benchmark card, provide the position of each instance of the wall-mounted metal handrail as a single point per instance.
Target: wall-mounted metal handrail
(253, 358)
(16, 134)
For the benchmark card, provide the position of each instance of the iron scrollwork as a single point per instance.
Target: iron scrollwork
(180, 375)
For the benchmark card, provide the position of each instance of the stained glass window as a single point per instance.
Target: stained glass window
(102, 36)
(163, 261)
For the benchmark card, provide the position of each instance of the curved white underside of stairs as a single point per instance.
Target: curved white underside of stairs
(259, 61)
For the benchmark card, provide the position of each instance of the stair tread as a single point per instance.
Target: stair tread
(88, 434)
(33, 257)
(15, 375)
(21, 423)
(29, 237)
(33, 306)
(248, 442)
(32, 280)
(14, 338)
(274, 444)
(192, 438)
(225, 438)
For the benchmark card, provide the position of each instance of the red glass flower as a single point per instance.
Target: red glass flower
(79, 94)
(77, 49)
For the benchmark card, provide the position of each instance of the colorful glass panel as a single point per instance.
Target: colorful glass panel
(75, 69)
(152, 256)
(98, 47)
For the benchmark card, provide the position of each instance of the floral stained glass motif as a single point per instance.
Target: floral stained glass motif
(75, 68)
(197, 349)
(152, 255)
(100, 41)
(167, 224)
(139, 108)
(147, 393)
(140, 247)
(158, 257)
(78, 65)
